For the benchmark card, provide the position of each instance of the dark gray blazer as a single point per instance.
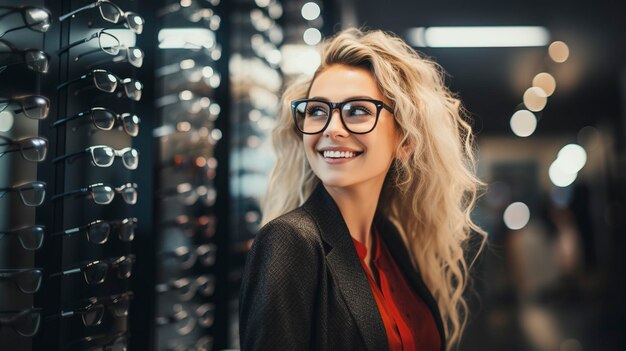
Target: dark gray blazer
(303, 287)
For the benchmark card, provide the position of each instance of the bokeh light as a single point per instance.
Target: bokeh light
(558, 51)
(535, 99)
(516, 216)
(523, 123)
(546, 82)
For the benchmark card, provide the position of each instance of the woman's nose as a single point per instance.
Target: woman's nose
(335, 126)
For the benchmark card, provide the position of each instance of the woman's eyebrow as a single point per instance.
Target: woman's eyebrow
(348, 98)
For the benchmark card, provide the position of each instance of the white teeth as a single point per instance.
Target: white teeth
(339, 154)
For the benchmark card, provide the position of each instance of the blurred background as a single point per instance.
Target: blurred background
(190, 89)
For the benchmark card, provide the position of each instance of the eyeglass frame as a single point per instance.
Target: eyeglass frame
(98, 305)
(20, 99)
(18, 314)
(117, 58)
(98, 35)
(89, 151)
(22, 10)
(117, 117)
(39, 241)
(112, 223)
(338, 105)
(7, 273)
(86, 191)
(18, 188)
(19, 143)
(22, 53)
(123, 14)
(91, 74)
(109, 262)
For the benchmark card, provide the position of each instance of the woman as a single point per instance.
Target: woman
(368, 208)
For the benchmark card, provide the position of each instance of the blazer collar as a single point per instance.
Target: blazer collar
(351, 280)
(346, 267)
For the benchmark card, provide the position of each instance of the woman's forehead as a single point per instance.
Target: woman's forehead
(339, 82)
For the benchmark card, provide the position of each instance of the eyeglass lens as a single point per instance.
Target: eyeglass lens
(102, 194)
(32, 194)
(30, 237)
(359, 116)
(26, 323)
(95, 273)
(105, 81)
(27, 281)
(36, 60)
(37, 19)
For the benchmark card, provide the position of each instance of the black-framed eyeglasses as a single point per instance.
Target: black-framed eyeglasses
(187, 256)
(179, 318)
(107, 82)
(25, 322)
(31, 193)
(36, 60)
(117, 341)
(186, 288)
(104, 119)
(31, 237)
(106, 41)
(92, 309)
(98, 231)
(189, 194)
(103, 156)
(358, 116)
(27, 280)
(110, 12)
(32, 149)
(95, 272)
(35, 18)
(103, 194)
(133, 55)
(205, 224)
(32, 106)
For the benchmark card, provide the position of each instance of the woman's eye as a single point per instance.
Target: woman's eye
(359, 111)
(316, 111)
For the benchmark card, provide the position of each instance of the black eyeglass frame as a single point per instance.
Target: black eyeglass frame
(23, 109)
(19, 188)
(125, 82)
(38, 240)
(5, 141)
(18, 314)
(338, 105)
(114, 49)
(86, 191)
(8, 273)
(110, 263)
(120, 118)
(122, 14)
(113, 224)
(89, 151)
(22, 10)
(22, 53)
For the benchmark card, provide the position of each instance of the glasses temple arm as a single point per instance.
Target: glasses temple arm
(70, 82)
(67, 119)
(81, 9)
(63, 157)
(68, 193)
(76, 43)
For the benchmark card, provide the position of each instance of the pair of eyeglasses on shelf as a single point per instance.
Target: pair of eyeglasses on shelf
(186, 100)
(107, 82)
(27, 280)
(187, 256)
(203, 343)
(32, 149)
(31, 106)
(186, 288)
(184, 322)
(104, 119)
(95, 272)
(35, 18)
(187, 194)
(25, 322)
(133, 55)
(36, 60)
(92, 309)
(182, 161)
(98, 231)
(103, 194)
(110, 12)
(116, 341)
(191, 225)
(31, 237)
(31, 193)
(103, 156)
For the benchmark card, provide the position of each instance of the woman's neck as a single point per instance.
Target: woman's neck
(357, 205)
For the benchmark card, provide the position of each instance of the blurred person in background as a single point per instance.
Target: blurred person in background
(367, 217)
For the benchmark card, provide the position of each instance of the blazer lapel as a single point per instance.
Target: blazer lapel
(396, 246)
(346, 267)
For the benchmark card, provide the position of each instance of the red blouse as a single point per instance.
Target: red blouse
(408, 321)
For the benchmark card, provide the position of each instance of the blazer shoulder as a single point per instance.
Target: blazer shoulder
(296, 225)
